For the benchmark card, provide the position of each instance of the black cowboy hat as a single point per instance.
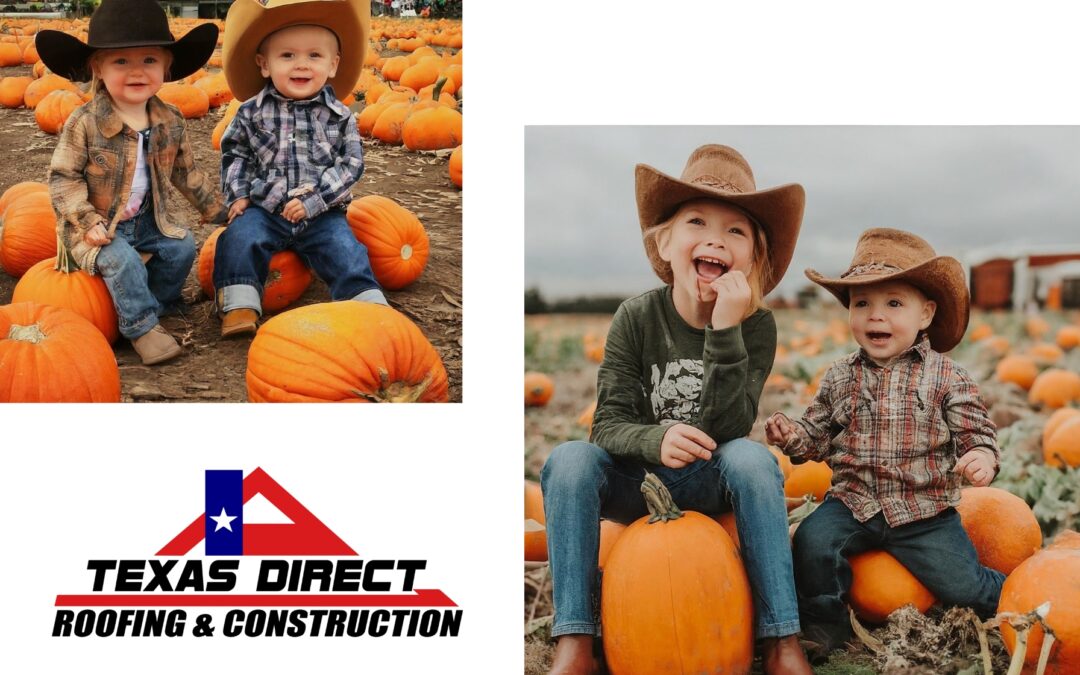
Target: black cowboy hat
(119, 24)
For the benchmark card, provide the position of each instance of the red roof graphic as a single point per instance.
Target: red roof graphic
(306, 535)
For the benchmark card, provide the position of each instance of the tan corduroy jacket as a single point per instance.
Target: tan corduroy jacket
(94, 162)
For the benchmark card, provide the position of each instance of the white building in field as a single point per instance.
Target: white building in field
(1023, 278)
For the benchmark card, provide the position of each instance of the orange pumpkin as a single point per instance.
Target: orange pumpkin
(1063, 448)
(455, 166)
(1067, 336)
(394, 67)
(980, 332)
(62, 284)
(395, 239)
(1000, 525)
(880, 585)
(286, 280)
(1018, 369)
(216, 88)
(344, 351)
(28, 233)
(1060, 416)
(1048, 576)
(535, 541)
(13, 89)
(1045, 354)
(534, 502)
(223, 123)
(811, 478)
(433, 128)
(538, 389)
(727, 521)
(191, 101)
(610, 531)
(786, 467)
(1055, 388)
(52, 355)
(55, 109)
(388, 125)
(18, 190)
(37, 90)
(10, 55)
(675, 597)
(423, 73)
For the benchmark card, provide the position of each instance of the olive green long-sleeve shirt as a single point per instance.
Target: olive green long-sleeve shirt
(658, 371)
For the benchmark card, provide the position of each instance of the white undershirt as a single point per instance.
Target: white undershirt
(140, 183)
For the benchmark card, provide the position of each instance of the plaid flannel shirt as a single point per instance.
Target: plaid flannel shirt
(892, 435)
(277, 148)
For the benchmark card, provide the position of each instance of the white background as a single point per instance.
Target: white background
(442, 482)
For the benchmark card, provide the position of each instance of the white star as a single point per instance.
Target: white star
(223, 520)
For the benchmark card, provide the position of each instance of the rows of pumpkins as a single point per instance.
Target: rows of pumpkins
(658, 565)
(56, 334)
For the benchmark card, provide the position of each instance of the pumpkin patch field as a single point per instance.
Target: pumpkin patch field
(1024, 524)
(407, 210)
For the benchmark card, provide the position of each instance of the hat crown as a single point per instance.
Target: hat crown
(884, 250)
(721, 168)
(118, 22)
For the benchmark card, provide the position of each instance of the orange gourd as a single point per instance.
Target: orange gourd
(397, 244)
(1063, 447)
(610, 531)
(13, 89)
(423, 73)
(980, 332)
(394, 67)
(538, 389)
(286, 280)
(455, 167)
(534, 502)
(43, 86)
(811, 478)
(60, 283)
(1018, 369)
(1068, 337)
(881, 585)
(216, 88)
(344, 351)
(388, 125)
(52, 355)
(18, 190)
(675, 596)
(535, 541)
(1001, 525)
(27, 232)
(433, 128)
(1055, 388)
(55, 109)
(1054, 422)
(223, 123)
(1036, 326)
(191, 101)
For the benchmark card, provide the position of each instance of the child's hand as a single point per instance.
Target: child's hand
(732, 299)
(684, 444)
(779, 430)
(294, 211)
(977, 467)
(238, 207)
(97, 235)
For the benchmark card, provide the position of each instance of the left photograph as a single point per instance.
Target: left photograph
(247, 201)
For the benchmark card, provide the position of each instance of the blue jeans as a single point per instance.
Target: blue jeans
(936, 550)
(326, 245)
(582, 482)
(142, 293)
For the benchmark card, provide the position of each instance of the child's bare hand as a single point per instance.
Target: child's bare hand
(238, 207)
(779, 430)
(97, 235)
(294, 211)
(977, 466)
(732, 299)
(684, 444)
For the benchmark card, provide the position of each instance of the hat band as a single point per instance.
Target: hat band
(871, 268)
(714, 182)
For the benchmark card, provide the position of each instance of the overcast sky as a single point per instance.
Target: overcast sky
(962, 188)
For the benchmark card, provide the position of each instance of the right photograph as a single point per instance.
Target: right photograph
(802, 399)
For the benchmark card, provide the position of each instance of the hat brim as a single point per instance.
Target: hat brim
(247, 24)
(940, 279)
(68, 56)
(778, 211)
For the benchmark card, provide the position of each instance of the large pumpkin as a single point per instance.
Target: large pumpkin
(13, 90)
(881, 585)
(27, 232)
(53, 110)
(538, 388)
(223, 123)
(189, 99)
(18, 190)
(433, 128)
(455, 166)
(53, 355)
(395, 239)
(286, 280)
(675, 596)
(43, 86)
(1018, 369)
(345, 351)
(1063, 446)
(64, 285)
(810, 478)
(1001, 525)
(1055, 388)
(1051, 575)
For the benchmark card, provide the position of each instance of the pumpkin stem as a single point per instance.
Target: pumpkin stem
(31, 333)
(436, 92)
(658, 499)
(395, 392)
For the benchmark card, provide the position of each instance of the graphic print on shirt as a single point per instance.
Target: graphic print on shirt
(675, 395)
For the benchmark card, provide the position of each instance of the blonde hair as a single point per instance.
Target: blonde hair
(93, 62)
(761, 264)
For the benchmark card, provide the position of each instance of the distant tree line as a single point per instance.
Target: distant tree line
(593, 304)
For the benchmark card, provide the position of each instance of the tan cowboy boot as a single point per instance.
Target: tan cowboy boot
(239, 322)
(156, 346)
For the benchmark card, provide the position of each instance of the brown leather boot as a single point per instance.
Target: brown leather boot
(574, 656)
(784, 656)
(239, 322)
(156, 346)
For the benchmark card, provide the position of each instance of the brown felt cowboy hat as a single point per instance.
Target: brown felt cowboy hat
(720, 172)
(119, 24)
(884, 254)
(249, 22)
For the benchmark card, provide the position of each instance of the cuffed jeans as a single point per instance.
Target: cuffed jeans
(141, 293)
(936, 550)
(581, 482)
(326, 245)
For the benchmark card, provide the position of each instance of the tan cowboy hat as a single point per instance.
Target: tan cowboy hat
(249, 22)
(883, 254)
(719, 172)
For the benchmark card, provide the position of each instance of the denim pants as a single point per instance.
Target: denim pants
(936, 550)
(581, 482)
(142, 293)
(326, 245)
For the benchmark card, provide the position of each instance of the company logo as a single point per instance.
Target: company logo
(244, 592)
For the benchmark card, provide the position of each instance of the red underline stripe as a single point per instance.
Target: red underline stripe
(422, 598)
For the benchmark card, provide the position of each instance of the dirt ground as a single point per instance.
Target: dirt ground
(212, 369)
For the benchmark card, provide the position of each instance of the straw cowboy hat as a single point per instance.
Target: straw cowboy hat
(883, 254)
(249, 22)
(719, 172)
(119, 24)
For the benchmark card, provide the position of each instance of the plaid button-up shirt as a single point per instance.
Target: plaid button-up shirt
(277, 148)
(892, 434)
